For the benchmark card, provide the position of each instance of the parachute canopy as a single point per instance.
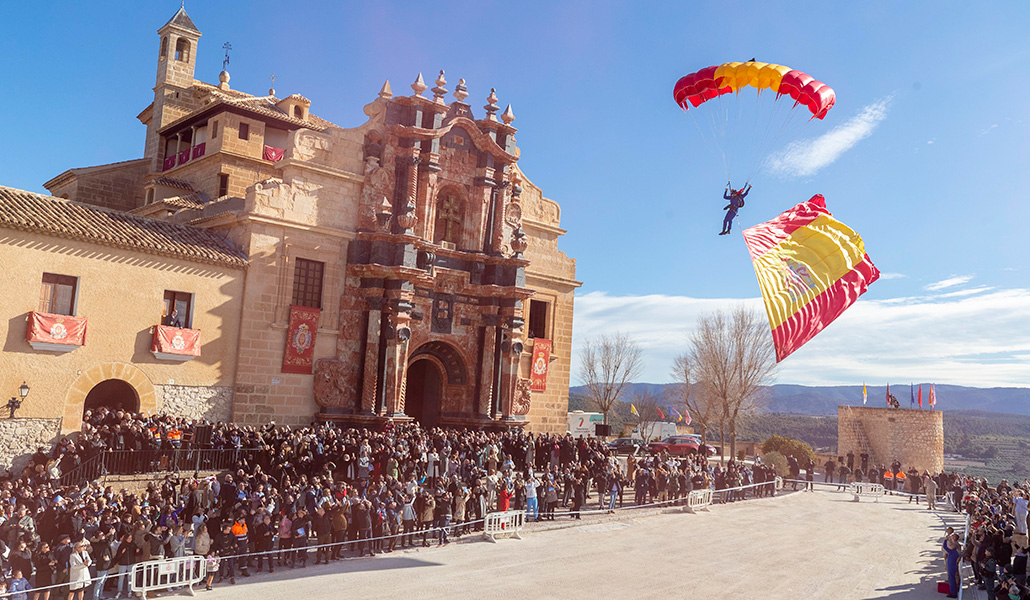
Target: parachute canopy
(711, 82)
(811, 268)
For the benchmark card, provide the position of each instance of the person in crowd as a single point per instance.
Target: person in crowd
(79, 562)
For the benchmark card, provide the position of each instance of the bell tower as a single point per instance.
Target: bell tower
(176, 62)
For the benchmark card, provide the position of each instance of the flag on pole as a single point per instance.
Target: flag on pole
(661, 415)
(888, 394)
(864, 396)
(920, 397)
(933, 395)
(633, 409)
(679, 417)
(911, 395)
(686, 416)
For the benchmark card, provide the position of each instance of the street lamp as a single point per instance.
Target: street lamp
(15, 403)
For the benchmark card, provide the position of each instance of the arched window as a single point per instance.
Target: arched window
(164, 47)
(150, 196)
(298, 112)
(182, 50)
(449, 212)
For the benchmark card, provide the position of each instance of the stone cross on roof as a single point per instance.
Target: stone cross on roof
(227, 46)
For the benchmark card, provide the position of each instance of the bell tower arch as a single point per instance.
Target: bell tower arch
(176, 64)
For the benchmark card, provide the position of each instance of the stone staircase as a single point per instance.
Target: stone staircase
(855, 429)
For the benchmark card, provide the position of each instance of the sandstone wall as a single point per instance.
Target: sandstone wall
(913, 437)
(213, 403)
(20, 437)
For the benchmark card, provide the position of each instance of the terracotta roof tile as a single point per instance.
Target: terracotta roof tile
(27, 211)
(172, 182)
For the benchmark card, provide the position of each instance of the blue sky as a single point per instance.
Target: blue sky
(926, 153)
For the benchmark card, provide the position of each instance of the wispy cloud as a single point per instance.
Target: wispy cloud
(893, 276)
(981, 339)
(947, 283)
(987, 130)
(930, 142)
(806, 157)
(969, 292)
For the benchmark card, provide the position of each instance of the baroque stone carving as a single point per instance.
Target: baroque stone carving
(520, 404)
(378, 185)
(329, 383)
(307, 146)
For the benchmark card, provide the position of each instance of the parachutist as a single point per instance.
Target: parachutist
(736, 198)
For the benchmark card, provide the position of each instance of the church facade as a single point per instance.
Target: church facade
(402, 269)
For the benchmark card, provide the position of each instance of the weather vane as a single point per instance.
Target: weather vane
(272, 79)
(227, 46)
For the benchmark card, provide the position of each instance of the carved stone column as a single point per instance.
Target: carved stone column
(371, 373)
(487, 382)
(512, 355)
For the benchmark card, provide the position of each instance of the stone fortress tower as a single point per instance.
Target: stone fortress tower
(915, 438)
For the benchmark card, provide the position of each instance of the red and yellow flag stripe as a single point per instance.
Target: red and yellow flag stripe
(811, 268)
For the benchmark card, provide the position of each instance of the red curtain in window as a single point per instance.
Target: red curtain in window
(273, 154)
(176, 340)
(541, 359)
(56, 329)
(300, 339)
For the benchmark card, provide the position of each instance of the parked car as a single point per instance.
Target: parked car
(679, 445)
(630, 446)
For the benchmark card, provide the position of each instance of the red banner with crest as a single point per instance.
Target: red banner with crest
(176, 340)
(541, 359)
(300, 339)
(56, 329)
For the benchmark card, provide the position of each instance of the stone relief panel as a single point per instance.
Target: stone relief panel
(330, 384)
(522, 401)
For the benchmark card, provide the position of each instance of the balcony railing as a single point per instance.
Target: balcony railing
(55, 333)
(184, 156)
(185, 457)
(175, 343)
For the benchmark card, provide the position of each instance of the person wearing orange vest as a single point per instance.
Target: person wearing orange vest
(239, 531)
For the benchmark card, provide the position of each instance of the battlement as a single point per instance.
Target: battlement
(913, 437)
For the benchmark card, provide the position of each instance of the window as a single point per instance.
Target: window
(180, 301)
(223, 184)
(164, 47)
(298, 112)
(448, 220)
(537, 319)
(182, 50)
(150, 196)
(57, 295)
(307, 283)
(214, 129)
(244, 131)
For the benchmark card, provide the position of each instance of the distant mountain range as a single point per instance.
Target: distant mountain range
(820, 400)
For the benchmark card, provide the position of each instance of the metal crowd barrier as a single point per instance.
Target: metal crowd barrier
(867, 489)
(501, 523)
(699, 500)
(181, 571)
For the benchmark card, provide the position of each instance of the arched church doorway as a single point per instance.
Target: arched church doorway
(423, 392)
(115, 394)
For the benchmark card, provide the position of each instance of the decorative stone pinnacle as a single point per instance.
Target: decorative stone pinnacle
(420, 85)
(507, 116)
(386, 93)
(492, 107)
(460, 91)
(440, 91)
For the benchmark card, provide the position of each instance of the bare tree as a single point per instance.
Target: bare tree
(646, 402)
(732, 353)
(694, 396)
(607, 365)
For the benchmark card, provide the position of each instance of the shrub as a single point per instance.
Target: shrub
(777, 460)
(786, 446)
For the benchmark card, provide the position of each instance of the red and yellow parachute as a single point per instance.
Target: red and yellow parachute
(712, 82)
(750, 128)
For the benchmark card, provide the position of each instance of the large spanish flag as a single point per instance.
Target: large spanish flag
(811, 268)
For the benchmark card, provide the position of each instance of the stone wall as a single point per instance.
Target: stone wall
(913, 437)
(213, 403)
(20, 437)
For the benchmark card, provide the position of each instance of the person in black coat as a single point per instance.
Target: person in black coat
(322, 526)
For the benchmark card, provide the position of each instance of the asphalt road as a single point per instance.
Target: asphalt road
(801, 545)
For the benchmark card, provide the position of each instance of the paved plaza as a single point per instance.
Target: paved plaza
(801, 545)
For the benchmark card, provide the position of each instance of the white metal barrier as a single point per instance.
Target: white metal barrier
(181, 571)
(504, 523)
(698, 500)
(867, 489)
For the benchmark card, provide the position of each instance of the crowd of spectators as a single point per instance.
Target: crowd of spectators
(293, 493)
(996, 545)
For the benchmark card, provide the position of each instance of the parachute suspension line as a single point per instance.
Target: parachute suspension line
(766, 140)
(704, 140)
